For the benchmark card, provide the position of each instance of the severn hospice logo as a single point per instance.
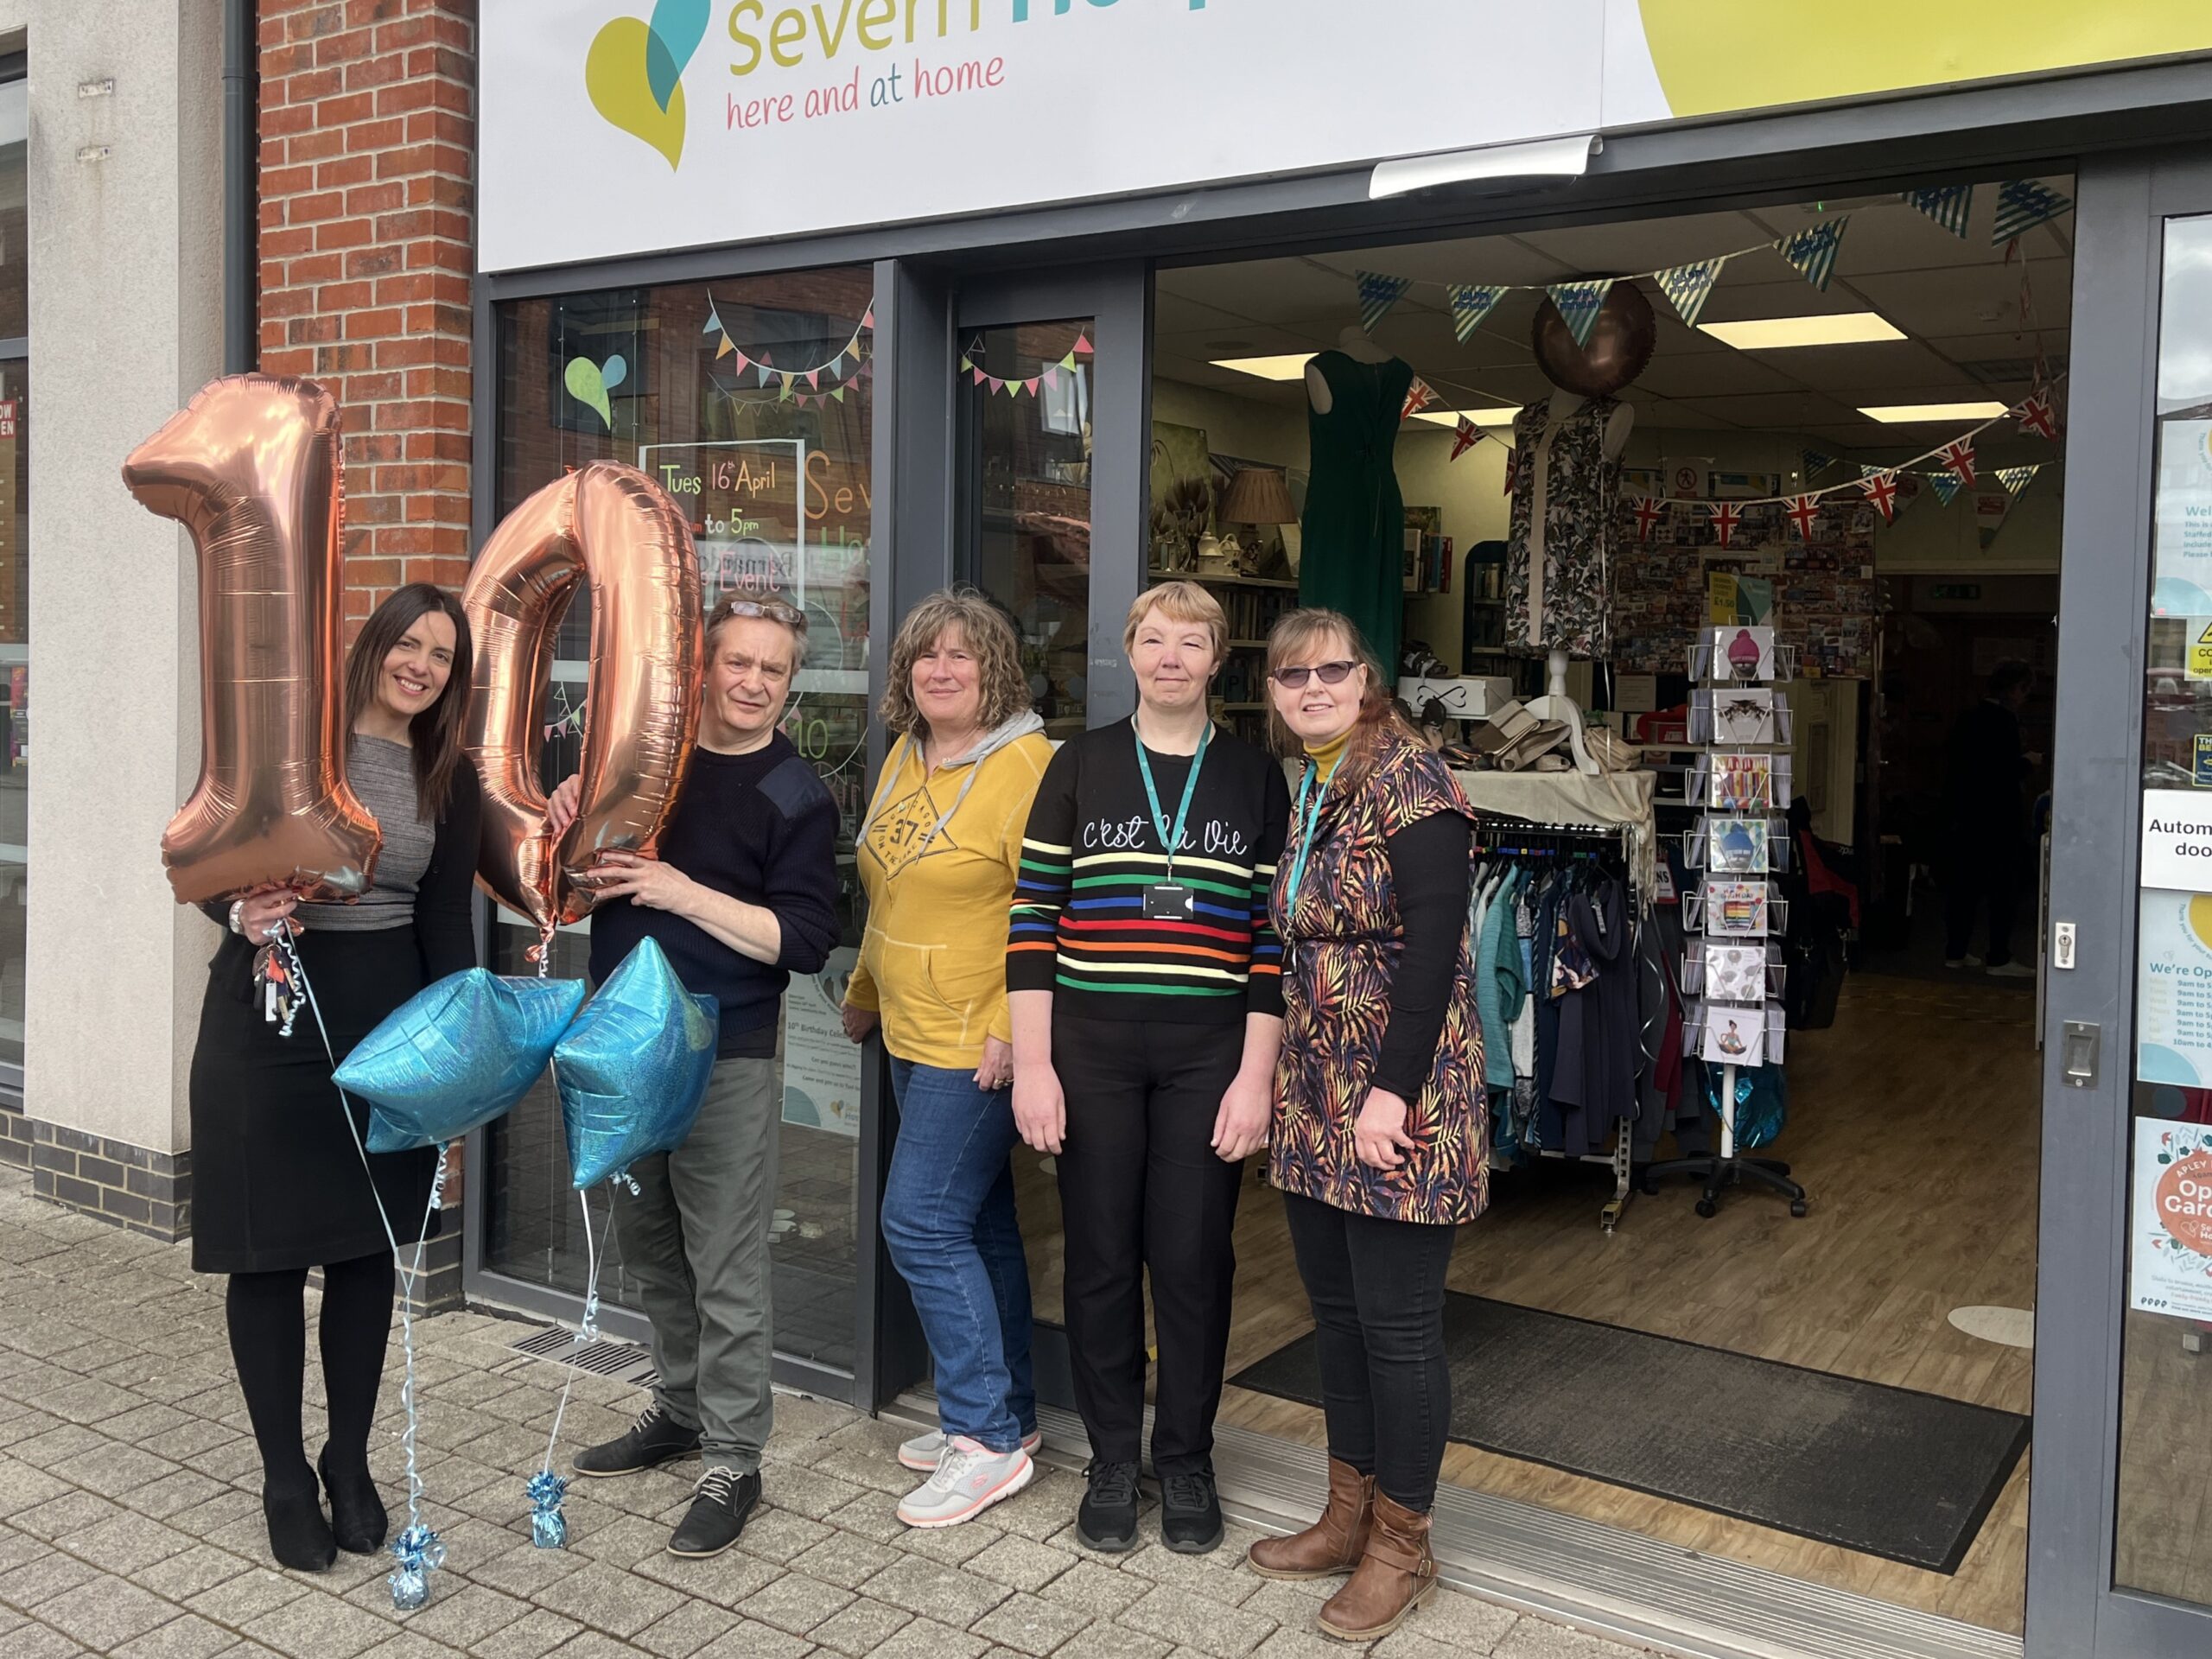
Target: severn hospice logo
(634, 71)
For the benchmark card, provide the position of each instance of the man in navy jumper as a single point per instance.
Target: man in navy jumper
(742, 895)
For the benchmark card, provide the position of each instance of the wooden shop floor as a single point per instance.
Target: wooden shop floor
(1914, 1124)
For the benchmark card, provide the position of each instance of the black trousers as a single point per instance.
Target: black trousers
(1377, 1290)
(1985, 868)
(1141, 1188)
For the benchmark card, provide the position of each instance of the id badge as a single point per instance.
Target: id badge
(1167, 902)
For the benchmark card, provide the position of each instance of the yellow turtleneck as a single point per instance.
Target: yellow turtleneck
(1325, 755)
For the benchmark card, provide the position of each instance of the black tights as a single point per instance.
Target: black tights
(269, 1340)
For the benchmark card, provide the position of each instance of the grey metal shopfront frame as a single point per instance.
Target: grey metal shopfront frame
(2117, 130)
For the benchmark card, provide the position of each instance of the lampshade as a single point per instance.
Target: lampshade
(1258, 495)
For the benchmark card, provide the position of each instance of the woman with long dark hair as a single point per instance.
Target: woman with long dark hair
(280, 1185)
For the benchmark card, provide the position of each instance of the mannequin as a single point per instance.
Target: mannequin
(1353, 530)
(1555, 704)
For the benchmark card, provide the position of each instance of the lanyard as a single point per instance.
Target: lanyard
(1171, 842)
(1307, 822)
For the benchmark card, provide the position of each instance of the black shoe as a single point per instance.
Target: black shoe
(299, 1537)
(1107, 1519)
(357, 1521)
(653, 1440)
(1190, 1512)
(724, 1501)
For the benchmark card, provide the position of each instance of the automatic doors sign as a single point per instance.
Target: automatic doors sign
(2176, 840)
(2173, 1003)
(2170, 1265)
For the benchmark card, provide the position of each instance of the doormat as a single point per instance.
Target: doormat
(1893, 1472)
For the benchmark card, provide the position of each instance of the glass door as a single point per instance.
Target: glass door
(2121, 1522)
(1050, 390)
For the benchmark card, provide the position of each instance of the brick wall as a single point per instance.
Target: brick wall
(368, 241)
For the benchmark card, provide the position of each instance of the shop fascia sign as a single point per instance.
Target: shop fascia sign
(612, 127)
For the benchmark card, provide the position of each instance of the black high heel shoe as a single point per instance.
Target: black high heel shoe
(358, 1520)
(299, 1537)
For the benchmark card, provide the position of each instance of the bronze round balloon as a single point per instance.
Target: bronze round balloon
(1621, 338)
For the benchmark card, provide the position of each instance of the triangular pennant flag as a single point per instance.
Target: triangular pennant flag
(1418, 397)
(1378, 294)
(1816, 463)
(1082, 347)
(836, 365)
(1804, 513)
(1812, 251)
(1030, 385)
(729, 346)
(2021, 206)
(1471, 303)
(1946, 487)
(1865, 470)
(1689, 285)
(1649, 509)
(1068, 362)
(1881, 488)
(714, 318)
(1512, 468)
(980, 377)
(1051, 376)
(785, 394)
(1958, 455)
(1579, 303)
(2016, 478)
(997, 384)
(867, 317)
(2037, 415)
(813, 378)
(1990, 508)
(1465, 436)
(767, 374)
(1947, 204)
(1727, 515)
(839, 394)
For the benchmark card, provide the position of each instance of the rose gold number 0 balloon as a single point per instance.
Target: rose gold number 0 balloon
(250, 468)
(614, 527)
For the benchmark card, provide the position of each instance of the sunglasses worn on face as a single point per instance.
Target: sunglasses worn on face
(1328, 673)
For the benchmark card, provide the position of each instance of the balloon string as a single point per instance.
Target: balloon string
(411, 1278)
(587, 1329)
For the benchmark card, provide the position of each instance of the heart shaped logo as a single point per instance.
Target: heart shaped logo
(634, 72)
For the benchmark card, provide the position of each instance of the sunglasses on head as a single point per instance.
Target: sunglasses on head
(1328, 673)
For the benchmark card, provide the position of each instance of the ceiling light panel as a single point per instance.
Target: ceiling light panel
(1906, 414)
(1779, 334)
(1480, 417)
(1288, 368)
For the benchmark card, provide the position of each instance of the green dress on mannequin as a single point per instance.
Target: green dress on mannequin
(1352, 539)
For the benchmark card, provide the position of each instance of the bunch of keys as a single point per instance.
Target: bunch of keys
(279, 994)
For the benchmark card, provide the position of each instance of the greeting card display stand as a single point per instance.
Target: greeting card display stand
(1740, 839)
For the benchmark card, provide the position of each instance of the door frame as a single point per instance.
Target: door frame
(2074, 1607)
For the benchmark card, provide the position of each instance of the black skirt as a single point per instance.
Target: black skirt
(277, 1182)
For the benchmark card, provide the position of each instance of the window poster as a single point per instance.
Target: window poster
(821, 1066)
(2181, 543)
(2173, 999)
(2170, 1253)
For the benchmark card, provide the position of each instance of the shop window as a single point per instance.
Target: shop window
(14, 565)
(2160, 1541)
(750, 400)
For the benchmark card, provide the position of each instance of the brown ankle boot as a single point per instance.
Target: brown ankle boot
(1395, 1577)
(1332, 1545)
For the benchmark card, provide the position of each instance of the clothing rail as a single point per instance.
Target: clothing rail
(1508, 837)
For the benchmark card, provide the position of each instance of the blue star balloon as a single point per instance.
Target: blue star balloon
(456, 1055)
(633, 1068)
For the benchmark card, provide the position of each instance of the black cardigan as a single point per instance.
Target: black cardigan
(445, 922)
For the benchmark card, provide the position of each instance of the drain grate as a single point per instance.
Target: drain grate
(616, 1359)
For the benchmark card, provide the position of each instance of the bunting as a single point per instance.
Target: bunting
(1727, 515)
(1378, 294)
(1030, 386)
(1812, 251)
(1465, 436)
(1471, 302)
(1579, 303)
(1512, 469)
(854, 352)
(1946, 487)
(1418, 398)
(1990, 508)
(2016, 478)
(1958, 455)
(1866, 472)
(1804, 513)
(1881, 489)
(1947, 204)
(2021, 206)
(1649, 509)
(1816, 462)
(1689, 286)
(2037, 415)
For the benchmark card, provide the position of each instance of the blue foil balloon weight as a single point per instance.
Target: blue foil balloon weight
(633, 1068)
(419, 1553)
(549, 1528)
(456, 1055)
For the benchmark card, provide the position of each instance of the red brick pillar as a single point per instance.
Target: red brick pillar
(368, 136)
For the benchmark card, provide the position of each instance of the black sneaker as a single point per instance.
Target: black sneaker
(653, 1440)
(719, 1511)
(1190, 1512)
(1107, 1519)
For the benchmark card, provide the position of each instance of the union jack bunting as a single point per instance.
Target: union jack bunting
(1804, 513)
(1727, 515)
(1471, 303)
(1958, 455)
(1512, 469)
(1949, 206)
(1418, 398)
(1378, 294)
(1649, 509)
(1812, 251)
(1579, 303)
(2037, 415)
(1881, 489)
(1465, 436)
(2021, 206)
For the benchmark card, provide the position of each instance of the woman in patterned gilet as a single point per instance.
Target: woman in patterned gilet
(1378, 1140)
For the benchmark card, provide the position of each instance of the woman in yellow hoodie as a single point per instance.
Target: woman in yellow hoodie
(938, 852)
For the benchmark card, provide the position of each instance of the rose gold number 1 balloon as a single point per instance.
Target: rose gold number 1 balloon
(613, 526)
(250, 468)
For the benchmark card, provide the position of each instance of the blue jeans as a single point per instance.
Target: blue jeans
(949, 1222)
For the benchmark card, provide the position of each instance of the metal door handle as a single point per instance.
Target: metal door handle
(2078, 1052)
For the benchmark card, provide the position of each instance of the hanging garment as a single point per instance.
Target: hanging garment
(1353, 536)
(1499, 988)
(1544, 1129)
(1565, 498)
(1599, 1032)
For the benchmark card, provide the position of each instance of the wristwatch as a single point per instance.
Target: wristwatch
(238, 909)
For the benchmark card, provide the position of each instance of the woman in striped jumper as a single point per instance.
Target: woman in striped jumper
(1145, 985)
